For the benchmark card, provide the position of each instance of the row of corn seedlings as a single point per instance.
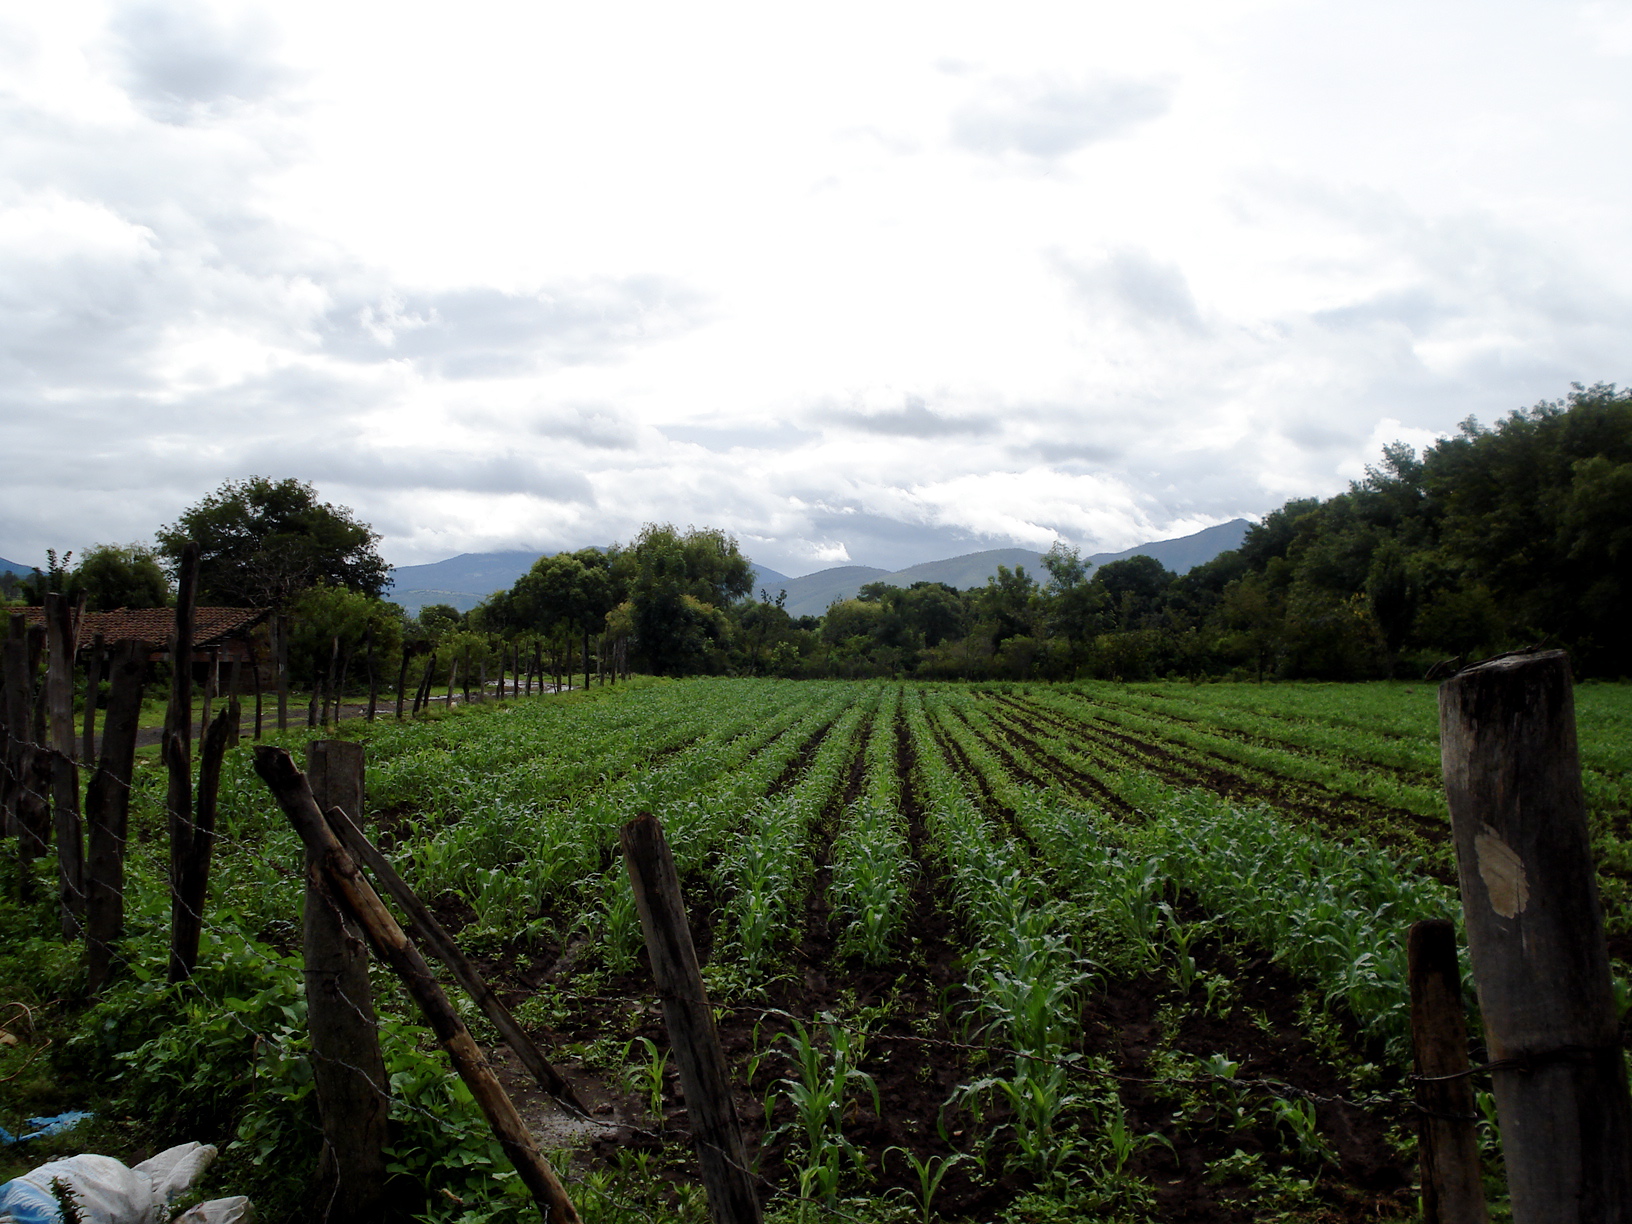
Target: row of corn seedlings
(544, 748)
(769, 871)
(1329, 911)
(510, 860)
(1415, 755)
(1262, 763)
(872, 870)
(699, 826)
(1024, 976)
(1075, 745)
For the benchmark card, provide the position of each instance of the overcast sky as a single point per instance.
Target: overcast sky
(858, 282)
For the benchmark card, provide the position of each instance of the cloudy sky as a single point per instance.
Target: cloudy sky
(859, 282)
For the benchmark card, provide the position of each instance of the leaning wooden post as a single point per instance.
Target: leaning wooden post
(446, 949)
(348, 887)
(107, 812)
(212, 685)
(690, 1020)
(347, 1064)
(1536, 938)
(1453, 1190)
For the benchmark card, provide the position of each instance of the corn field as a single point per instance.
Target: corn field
(976, 952)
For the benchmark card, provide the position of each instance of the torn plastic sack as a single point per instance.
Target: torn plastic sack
(107, 1192)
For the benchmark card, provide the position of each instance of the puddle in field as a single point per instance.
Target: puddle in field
(613, 1117)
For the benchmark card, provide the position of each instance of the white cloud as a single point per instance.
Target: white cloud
(892, 284)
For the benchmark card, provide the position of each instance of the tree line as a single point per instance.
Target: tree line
(1495, 538)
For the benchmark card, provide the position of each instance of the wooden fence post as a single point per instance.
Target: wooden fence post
(402, 679)
(66, 824)
(18, 704)
(1453, 1189)
(93, 686)
(192, 880)
(347, 1064)
(349, 888)
(280, 624)
(107, 810)
(373, 675)
(422, 697)
(178, 761)
(1536, 938)
(686, 1012)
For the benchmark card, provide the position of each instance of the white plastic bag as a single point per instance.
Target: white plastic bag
(107, 1192)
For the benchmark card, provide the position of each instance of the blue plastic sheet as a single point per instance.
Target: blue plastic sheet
(54, 1125)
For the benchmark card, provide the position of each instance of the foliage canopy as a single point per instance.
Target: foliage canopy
(261, 542)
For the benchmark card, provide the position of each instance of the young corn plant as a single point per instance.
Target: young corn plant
(825, 1058)
(930, 1171)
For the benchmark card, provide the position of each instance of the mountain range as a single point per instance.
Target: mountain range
(464, 581)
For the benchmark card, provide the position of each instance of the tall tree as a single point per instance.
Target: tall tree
(680, 584)
(120, 576)
(261, 542)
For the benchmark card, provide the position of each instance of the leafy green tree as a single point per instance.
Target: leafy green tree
(1075, 608)
(261, 542)
(933, 611)
(1005, 604)
(120, 576)
(439, 619)
(1133, 589)
(322, 615)
(680, 583)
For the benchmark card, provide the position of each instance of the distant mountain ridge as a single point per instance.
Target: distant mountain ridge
(22, 571)
(811, 595)
(464, 581)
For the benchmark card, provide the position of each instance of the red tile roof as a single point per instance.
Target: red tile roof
(153, 626)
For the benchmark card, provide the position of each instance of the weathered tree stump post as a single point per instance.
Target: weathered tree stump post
(346, 1063)
(710, 1110)
(362, 903)
(1453, 1189)
(107, 811)
(1536, 938)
